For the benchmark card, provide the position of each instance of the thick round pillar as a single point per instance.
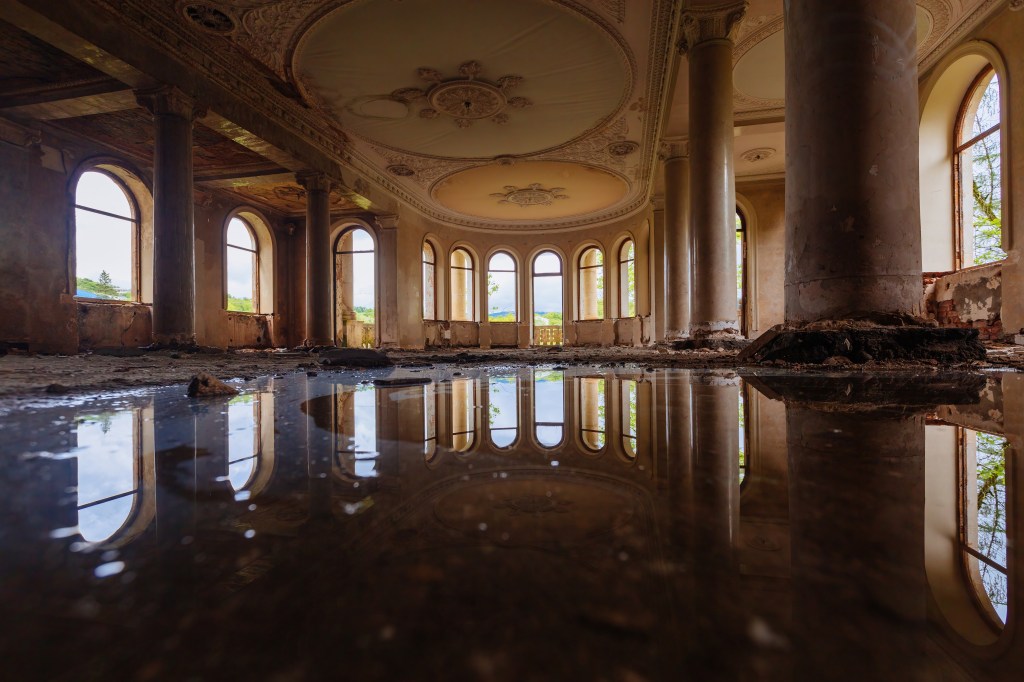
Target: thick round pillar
(677, 243)
(174, 269)
(853, 227)
(319, 257)
(712, 172)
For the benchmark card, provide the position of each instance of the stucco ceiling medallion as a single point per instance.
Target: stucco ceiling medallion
(465, 98)
(532, 195)
(759, 154)
(623, 148)
(400, 170)
(209, 18)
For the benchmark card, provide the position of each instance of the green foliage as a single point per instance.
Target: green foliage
(991, 520)
(547, 319)
(365, 315)
(239, 305)
(986, 189)
(103, 287)
(501, 316)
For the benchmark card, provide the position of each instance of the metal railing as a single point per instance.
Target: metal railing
(547, 336)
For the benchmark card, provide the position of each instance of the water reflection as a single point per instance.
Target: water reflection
(562, 523)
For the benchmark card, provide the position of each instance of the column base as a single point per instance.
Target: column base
(845, 342)
(726, 339)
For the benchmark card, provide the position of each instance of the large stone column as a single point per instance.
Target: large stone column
(174, 260)
(709, 48)
(677, 241)
(853, 226)
(388, 277)
(319, 257)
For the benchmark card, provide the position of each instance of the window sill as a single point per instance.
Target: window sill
(110, 301)
(247, 314)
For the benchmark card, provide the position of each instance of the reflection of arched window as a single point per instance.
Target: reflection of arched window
(984, 525)
(106, 239)
(591, 412)
(355, 298)
(356, 431)
(629, 413)
(501, 289)
(429, 422)
(242, 260)
(463, 414)
(977, 173)
(109, 454)
(547, 299)
(741, 272)
(463, 300)
(243, 439)
(503, 410)
(429, 282)
(627, 279)
(549, 407)
(591, 284)
(743, 441)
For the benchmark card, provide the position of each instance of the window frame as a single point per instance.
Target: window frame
(960, 146)
(625, 295)
(515, 285)
(580, 268)
(744, 264)
(424, 263)
(136, 222)
(472, 284)
(255, 265)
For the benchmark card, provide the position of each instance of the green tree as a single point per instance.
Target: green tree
(986, 181)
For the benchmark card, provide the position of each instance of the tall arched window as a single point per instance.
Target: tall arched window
(501, 289)
(429, 282)
(109, 452)
(628, 394)
(591, 284)
(430, 423)
(547, 299)
(241, 267)
(463, 414)
(106, 239)
(591, 412)
(741, 272)
(462, 280)
(243, 439)
(355, 432)
(627, 279)
(984, 525)
(355, 297)
(503, 409)
(977, 173)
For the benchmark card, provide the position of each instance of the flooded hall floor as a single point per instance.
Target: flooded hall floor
(538, 523)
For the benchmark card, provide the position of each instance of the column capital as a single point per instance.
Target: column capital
(314, 181)
(711, 22)
(167, 100)
(386, 222)
(674, 149)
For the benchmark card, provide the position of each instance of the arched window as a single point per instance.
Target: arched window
(109, 452)
(463, 414)
(106, 239)
(629, 415)
(549, 407)
(243, 439)
(591, 412)
(744, 460)
(242, 264)
(503, 409)
(355, 433)
(627, 279)
(591, 284)
(429, 282)
(984, 525)
(741, 272)
(462, 280)
(547, 299)
(355, 297)
(977, 173)
(430, 423)
(501, 289)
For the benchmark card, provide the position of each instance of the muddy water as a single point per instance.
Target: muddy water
(517, 523)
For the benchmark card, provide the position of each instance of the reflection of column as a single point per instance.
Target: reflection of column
(712, 180)
(319, 449)
(853, 236)
(657, 266)
(173, 215)
(857, 522)
(318, 258)
(388, 276)
(677, 242)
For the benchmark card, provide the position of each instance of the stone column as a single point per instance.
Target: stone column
(319, 258)
(658, 268)
(853, 233)
(388, 276)
(677, 241)
(174, 259)
(709, 47)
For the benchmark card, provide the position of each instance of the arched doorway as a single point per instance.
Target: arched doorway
(355, 291)
(547, 299)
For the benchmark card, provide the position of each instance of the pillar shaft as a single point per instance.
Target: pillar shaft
(677, 243)
(319, 258)
(853, 233)
(389, 276)
(173, 215)
(712, 180)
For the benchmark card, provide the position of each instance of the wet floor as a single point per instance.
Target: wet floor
(530, 523)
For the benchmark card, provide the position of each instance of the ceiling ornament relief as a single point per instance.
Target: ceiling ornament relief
(466, 98)
(209, 18)
(532, 195)
(759, 154)
(616, 8)
(700, 24)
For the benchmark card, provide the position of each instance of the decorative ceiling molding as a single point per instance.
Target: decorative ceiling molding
(961, 26)
(712, 22)
(758, 154)
(531, 195)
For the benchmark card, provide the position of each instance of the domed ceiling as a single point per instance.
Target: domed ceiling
(553, 105)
